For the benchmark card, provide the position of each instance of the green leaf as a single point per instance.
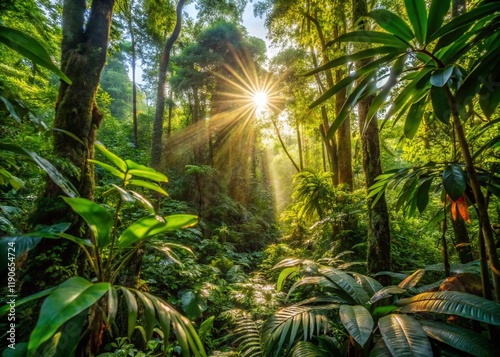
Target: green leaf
(370, 285)
(65, 185)
(97, 217)
(132, 310)
(190, 305)
(286, 274)
(437, 12)
(108, 168)
(383, 38)
(149, 314)
(404, 336)
(205, 327)
(380, 349)
(423, 194)
(145, 171)
(440, 104)
(489, 94)
(66, 301)
(385, 292)
(344, 60)
(454, 181)
(151, 185)
(112, 305)
(125, 195)
(441, 76)
(144, 201)
(461, 338)
(115, 160)
(30, 48)
(392, 23)
(414, 118)
(151, 225)
(10, 108)
(346, 283)
(357, 321)
(453, 303)
(418, 17)
(466, 20)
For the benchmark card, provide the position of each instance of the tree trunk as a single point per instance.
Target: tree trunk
(379, 237)
(156, 150)
(462, 240)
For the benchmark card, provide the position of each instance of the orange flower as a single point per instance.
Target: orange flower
(461, 205)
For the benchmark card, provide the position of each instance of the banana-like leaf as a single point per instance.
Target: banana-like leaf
(370, 285)
(392, 23)
(288, 324)
(404, 336)
(149, 314)
(412, 280)
(151, 225)
(97, 218)
(30, 48)
(418, 17)
(358, 322)
(437, 12)
(66, 301)
(385, 292)
(380, 349)
(347, 283)
(453, 303)
(460, 338)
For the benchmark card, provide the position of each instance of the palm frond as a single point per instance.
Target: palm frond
(248, 337)
(454, 303)
(307, 349)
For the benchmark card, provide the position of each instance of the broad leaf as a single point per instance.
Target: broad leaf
(423, 194)
(412, 280)
(205, 327)
(357, 321)
(392, 23)
(453, 303)
(30, 48)
(489, 94)
(404, 336)
(118, 162)
(149, 314)
(66, 301)
(385, 292)
(284, 275)
(132, 310)
(151, 225)
(97, 217)
(145, 171)
(370, 285)
(440, 104)
(454, 181)
(441, 76)
(150, 185)
(190, 305)
(111, 169)
(346, 283)
(414, 118)
(383, 38)
(461, 338)
(418, 17)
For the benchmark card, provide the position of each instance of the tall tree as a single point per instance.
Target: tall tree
(156, 150)
(379, 236)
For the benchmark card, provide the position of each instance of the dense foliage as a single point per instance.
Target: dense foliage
(167, 188)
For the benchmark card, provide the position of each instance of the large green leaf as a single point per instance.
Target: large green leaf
(97, 217)
(66, 301)
(489, 94)
(454, 181)
(357, 321)
(441, 76)
(404, 336)
(145, 171)
(422, 194)
(418, 17)
(286, 274)
(460, 338)
(30, 48)
(440, 104)
(65, 185)
(347, 283)
(392, 23)
(190, 305)
(150, 185)
(412, 280)
(149, 314)
(453, 303)
(118, 162)
(151, 225)
(370, 285)
(132, 310)
(437, 12)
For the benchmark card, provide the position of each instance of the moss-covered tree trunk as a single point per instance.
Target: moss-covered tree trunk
(83, 55)
(379, 237)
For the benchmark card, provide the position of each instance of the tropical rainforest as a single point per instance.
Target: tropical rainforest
(171, 185)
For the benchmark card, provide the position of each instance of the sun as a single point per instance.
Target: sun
(260, 99)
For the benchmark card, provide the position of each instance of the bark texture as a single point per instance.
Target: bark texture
(379, 237)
